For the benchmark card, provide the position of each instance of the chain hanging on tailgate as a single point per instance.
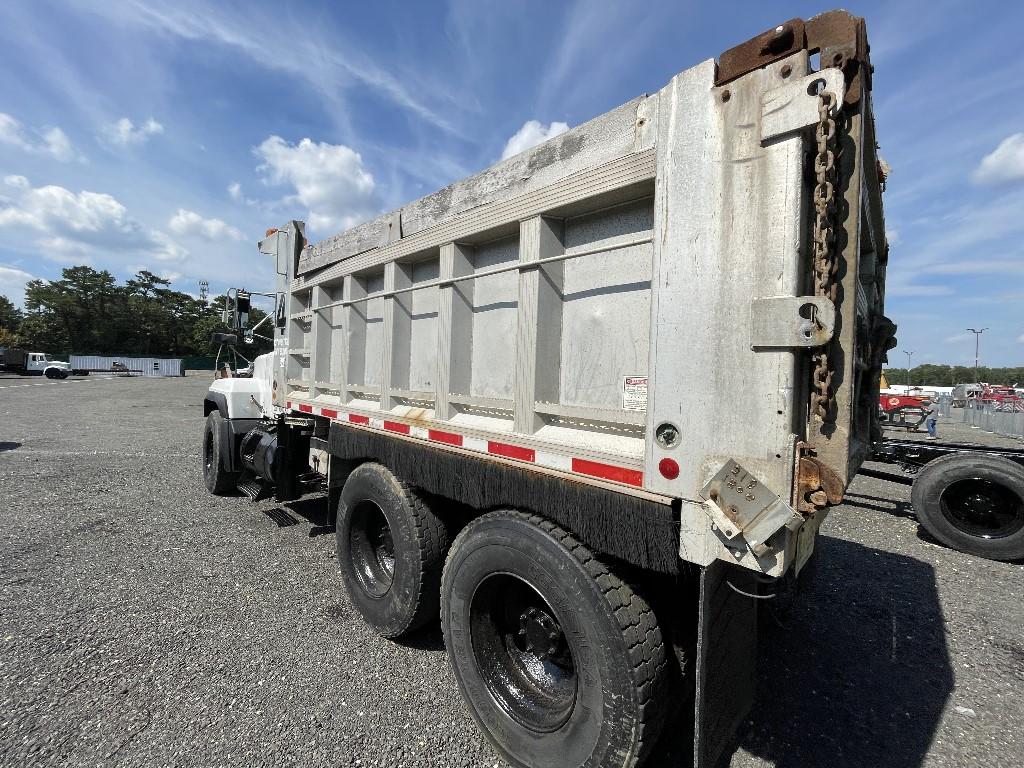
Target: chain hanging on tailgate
(826, 265)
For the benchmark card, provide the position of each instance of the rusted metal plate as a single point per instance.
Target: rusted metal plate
(777, 43)
(838, 36)
(841, 39)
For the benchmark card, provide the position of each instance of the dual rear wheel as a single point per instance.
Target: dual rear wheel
(560, 661)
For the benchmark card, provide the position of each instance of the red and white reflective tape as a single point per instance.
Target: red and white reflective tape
(559, 461)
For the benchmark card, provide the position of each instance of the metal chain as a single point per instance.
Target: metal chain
(826, 265)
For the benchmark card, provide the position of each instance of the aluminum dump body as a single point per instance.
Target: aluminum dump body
(633, 304)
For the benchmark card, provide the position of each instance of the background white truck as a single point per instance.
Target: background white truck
(588, 402)
(33, 364)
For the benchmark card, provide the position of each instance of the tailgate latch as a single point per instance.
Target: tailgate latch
(740, 505)
(791, 321)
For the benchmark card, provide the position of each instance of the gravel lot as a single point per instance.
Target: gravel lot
(145, 623)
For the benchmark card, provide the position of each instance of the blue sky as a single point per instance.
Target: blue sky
(168, 136)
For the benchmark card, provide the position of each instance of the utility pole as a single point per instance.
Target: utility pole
(977, 344)
(909, 355)
(204, 290)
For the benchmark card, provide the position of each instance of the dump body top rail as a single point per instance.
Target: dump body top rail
(634, 303)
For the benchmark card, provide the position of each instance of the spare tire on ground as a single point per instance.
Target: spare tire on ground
(974, 503)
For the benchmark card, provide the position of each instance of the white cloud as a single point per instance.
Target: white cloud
(124, 133)
(957, 337)
(978, 267)
(1020, 339)
(531, 134)
(235, 190)
(18, 182)
(12, 284)
(1004, 164)
(83, 222)
(330, 65)
(186, 222)
(51, 141)
(58, 144)
(329, 180)
(904, 284)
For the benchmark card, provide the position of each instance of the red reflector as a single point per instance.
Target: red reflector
(445, 437)
(355, 418)
(608, 472)
(305, 408)
(668, 468)
(394, 426)
(511, 451)
(329, 413)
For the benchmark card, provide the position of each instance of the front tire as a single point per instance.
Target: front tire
(219, 480)
(561, 662)
(973, 503)
(391, 549)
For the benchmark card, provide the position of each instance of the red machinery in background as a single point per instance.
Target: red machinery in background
(907, 411)
(1003, 398)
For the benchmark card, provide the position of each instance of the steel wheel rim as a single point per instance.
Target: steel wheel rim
(372, 548)
(982, 508)
(522, 653)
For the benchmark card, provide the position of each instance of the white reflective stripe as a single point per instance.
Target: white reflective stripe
(558, 461)
(554, 460)
(474, 443)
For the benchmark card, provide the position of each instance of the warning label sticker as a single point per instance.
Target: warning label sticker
(634, 393)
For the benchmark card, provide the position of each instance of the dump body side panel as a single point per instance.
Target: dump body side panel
(649, 270)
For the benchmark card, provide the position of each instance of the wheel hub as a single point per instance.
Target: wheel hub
(539, 633)
(982, 508)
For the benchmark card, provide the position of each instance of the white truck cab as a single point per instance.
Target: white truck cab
(33, 364)
(40, 362)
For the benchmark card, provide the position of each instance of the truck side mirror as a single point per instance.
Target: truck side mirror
(243, 303)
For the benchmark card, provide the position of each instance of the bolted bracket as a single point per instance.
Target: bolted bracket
(738, 504)
(791, 321)
(794, 106)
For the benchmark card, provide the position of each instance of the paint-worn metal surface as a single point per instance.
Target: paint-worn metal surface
(635, 302)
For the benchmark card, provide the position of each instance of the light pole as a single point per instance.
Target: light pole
(909, 355)
(977, 344)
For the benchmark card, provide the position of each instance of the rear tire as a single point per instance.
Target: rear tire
(561, 662)
(391, 549)
(973, 503)
(219, 480)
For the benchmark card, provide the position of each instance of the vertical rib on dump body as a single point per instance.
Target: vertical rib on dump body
(633, 305)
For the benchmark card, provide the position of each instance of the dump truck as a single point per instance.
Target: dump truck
(26, 363)
(588, 405)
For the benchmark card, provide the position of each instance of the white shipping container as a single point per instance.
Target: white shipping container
(137, 366)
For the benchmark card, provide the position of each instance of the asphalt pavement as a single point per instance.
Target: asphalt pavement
(146, 623)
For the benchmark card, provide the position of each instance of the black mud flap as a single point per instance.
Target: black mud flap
(726, 669)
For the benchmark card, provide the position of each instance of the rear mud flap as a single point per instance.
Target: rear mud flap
(726, 662)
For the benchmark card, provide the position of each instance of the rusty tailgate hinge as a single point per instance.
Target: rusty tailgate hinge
(838, 36)
(815, 484)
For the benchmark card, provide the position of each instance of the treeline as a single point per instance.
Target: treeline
(88, 312)
(951, 375)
